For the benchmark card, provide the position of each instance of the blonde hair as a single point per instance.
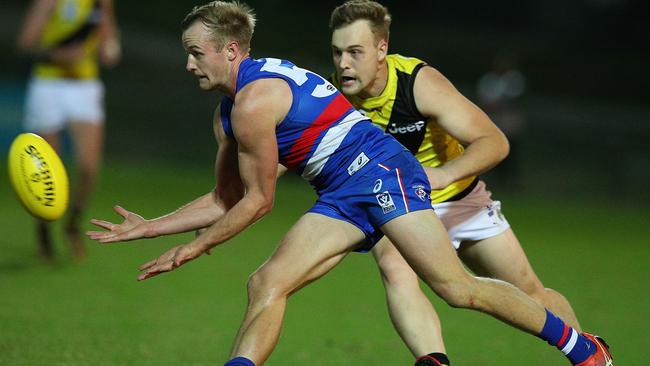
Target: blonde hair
(375, 13)
(225, 20)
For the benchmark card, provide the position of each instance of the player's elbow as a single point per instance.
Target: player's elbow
(263, 205)
(502, 147)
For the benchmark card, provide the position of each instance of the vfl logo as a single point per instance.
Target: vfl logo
(386, 202)
(411, 127)
(377, 187)
(420, 192)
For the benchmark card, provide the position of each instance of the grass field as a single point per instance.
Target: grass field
(95, 313)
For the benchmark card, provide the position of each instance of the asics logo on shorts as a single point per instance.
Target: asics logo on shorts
(377, 187)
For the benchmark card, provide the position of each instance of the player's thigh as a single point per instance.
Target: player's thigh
(501, 256)
(422, 240)
(88, 139)
(314, 245)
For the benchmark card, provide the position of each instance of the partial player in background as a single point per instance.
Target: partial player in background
(66, 39)
(454, 141)
(499, 93)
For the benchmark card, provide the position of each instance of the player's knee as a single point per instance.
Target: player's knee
(396, 272)
(458, 294)
(263, 287)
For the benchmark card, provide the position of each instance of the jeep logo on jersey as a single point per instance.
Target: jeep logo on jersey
(393, 128)
(386, 202)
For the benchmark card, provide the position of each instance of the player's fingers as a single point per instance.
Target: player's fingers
(156, 270)
(121, 211)
(103, 224)
(148, 264)
(98, 235)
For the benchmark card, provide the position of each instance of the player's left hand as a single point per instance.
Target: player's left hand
(170, 260)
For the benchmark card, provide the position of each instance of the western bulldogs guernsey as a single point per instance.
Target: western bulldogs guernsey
(323, 138)
(362, 175)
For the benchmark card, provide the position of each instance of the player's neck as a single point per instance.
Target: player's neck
(231, 88)
(378, 84)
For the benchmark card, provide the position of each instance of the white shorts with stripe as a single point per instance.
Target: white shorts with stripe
(472, 218)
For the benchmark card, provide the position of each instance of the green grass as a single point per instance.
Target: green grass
(95, 313)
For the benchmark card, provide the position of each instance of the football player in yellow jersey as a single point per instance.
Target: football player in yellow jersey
(65, 39)
(455, 141)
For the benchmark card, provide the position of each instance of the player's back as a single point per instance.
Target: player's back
(323, 138)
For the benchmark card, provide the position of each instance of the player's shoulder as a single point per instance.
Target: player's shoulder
(403, 63)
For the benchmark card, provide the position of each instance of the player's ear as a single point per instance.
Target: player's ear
(232, 50)
(382, 49)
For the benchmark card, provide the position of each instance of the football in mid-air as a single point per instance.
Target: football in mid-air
(38, 176)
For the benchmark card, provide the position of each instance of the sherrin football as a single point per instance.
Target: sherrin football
(38, 177)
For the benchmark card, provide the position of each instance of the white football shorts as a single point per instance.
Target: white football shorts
(52, 103)
(474, 217)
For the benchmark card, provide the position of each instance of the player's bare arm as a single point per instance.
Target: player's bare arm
(32, 28)
(437, 99)
(258, 108)
(110, 50)
(200, 213)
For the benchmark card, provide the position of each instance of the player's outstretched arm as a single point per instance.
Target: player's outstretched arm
(198, 214)
(258, 108)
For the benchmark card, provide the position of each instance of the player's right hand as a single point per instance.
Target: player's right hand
(133, 227)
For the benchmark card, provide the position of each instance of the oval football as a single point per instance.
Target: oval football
(38, 177)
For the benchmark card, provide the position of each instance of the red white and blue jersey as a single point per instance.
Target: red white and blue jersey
(322, 138)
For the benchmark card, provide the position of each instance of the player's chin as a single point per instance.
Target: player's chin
(350, 90)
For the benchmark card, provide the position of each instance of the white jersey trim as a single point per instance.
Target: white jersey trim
(329, 144)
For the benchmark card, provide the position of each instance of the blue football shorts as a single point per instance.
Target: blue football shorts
(381, 192)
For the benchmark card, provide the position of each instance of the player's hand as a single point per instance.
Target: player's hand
(133, 227)
(110, 52)
(438, 178)
(170, 260)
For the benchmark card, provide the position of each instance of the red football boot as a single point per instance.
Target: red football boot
(602, 357)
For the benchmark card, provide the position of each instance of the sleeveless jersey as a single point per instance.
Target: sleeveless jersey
(322, 138)
(72, 21)
(394, 110)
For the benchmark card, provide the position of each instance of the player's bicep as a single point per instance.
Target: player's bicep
(262, 105)
(438, 100)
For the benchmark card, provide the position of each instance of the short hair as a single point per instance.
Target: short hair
(225, 20)
(375, 13)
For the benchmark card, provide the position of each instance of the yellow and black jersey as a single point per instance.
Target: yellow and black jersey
(394, 111)
(72, 22)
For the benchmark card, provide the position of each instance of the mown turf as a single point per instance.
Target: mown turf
(95, 313)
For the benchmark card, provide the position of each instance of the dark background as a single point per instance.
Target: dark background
(587, 103)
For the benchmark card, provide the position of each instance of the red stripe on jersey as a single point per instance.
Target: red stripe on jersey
(330, 115)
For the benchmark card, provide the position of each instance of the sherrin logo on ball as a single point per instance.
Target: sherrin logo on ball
(38, 177)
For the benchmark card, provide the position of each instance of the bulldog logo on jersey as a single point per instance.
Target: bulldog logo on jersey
(420, 192)
(386, 202)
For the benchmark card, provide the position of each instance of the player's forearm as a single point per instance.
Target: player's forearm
(246, 212)
(201, 212)
(480, 156)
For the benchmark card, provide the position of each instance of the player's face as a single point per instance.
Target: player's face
(204, 60)
(357, 56)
